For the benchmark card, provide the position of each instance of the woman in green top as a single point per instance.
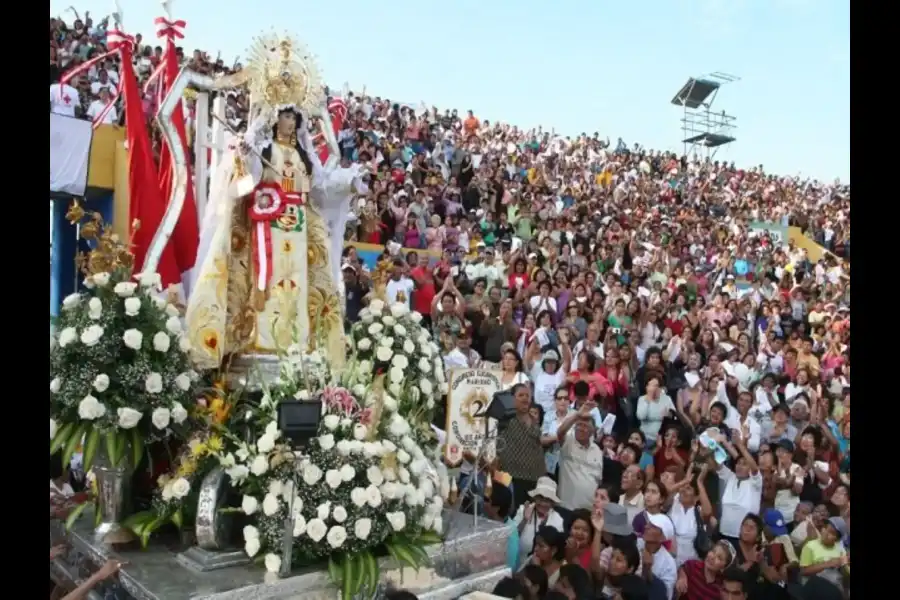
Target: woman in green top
(619, 322)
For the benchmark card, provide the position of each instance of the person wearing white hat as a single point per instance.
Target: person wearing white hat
(533, 515)
(656, 561)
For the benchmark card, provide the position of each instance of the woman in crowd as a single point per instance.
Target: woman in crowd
(549, 552)
(702, 579)
(519, 449)
(653, 407)
(692, 517)
(538, 513)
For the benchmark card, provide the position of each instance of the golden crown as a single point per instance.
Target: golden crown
(281, 72)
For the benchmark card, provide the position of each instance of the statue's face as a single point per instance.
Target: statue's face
(287, 123)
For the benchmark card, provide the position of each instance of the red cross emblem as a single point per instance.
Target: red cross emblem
(66, 99)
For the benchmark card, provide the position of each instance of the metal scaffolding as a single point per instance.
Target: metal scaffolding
(701, 127)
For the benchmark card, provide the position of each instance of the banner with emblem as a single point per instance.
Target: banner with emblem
(70, 154)
(470, 393)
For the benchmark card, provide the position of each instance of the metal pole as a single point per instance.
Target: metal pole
(201, 143)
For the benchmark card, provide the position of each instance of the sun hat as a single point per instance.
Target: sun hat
(663, 523)
(615, 520)
(545, 488)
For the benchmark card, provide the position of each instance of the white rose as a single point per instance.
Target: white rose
(183, 382)
(374, 475)
(153, 384)
(366, 317)
(359, 390)
(316, 530)
(403, 456)
(179, 414)
(389, 321)
(128, 417)
(376, 306)
(265, 444)
(91, 336)
(161, 342)
(250, 533)
(95, 308)
(390, 404)
(360, 431)
(312, 474)
(326, 442)
(364, 344)
(161, 417)
(67, 336)
(373, 496)
(149, 279)
(426, 387)
(399, 330)
(339, 514)
(133, 339)
(337, 535)
(238, 474)
(397, 374)
(251, 547)
(71, 301)
(395, 389)
(331, 422)
(398, 310)
(403, 473)
(408, 346)
(439, 371)
(397, 520)
(101, 382)
(333, 478)
(132, 307)
(443, 387)
(123, 289)
(390, 490)
(167, 494)
(52, 429)
(424, 365)
(100, 279)
(375, 328)
(343, 447)
(259, 466)
(348, 473)
(299, 525)
(273, 563)
(249, 505)
(181, 487)
(323, 510)
(388, 446)
(302, 395)
(362, 528)
(172, 310)
(417, 466)
(365, 366)
(173, 325)
(55, 385)
(384, 354)
(416, 317)
(184, 344)
(90, 408)
(270, 505)
(400, 362)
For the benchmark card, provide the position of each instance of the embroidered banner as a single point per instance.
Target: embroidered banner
(471, 391)
(70, 154)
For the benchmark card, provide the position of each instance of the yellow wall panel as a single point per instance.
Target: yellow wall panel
(120, 191)
(101, 170)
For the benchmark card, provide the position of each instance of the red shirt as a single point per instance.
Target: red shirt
(675, 325)
(661, 463)
(698, 587)
(512, 280)
(424, 294)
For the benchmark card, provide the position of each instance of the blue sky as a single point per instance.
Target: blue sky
(574, 65)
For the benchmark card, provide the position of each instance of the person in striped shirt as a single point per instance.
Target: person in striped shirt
(702, 579)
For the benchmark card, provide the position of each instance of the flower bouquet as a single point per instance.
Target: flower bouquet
(362, 484)
(120, 376)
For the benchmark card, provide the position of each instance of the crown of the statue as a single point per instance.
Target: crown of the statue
(283, 74)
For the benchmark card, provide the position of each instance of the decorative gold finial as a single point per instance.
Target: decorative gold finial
(110, 254)
(75, 213)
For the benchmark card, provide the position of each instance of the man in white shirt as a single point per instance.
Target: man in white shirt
(98, 106)
(580, 459)
(743, 489)
(64, 98)
(102, 83)
(399, 286)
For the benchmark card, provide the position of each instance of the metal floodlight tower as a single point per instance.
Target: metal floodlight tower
(701, 127)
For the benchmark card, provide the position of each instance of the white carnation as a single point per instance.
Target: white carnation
(149, 280)
(397, 520)
(184, 344)
(426, 387)
(399, 309)
(273, 563)
(67, 336)
(179, 414)
(397, 373)
(358, 497)
(374, 475)
(364, 344)
(312, 474)
(383, 354)
(389, 321)
(95, 308)
(71, 301)
(373, 496)
(395, 389)
(424, 365)
(172, 310)
(251, 546)
(416, 317)
(128, 417)
(101, 382)
(390, 404)
(365, 366)
(376, 306)
(409, 346)
(299, 525)
(181, 487)
(333, 478)
(270, 505)
(331, 422)
(250, 533)
(55, 385)
(173, 325)
(343, 447)
(399, 330)
(400, 362)
(375, 328)
(326, 442)
(360, 431)
(347, 473)
(133, 339)
(161, 417)
(100, 279)
(323, 510)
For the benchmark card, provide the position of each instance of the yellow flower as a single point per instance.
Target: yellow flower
(163, 480)
(198, 449)
(214, 444)
(187, 468)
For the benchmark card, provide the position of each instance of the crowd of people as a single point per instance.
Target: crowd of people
(681, 375)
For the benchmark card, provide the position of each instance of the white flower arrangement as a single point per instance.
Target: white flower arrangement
(390, 340)
(361, 483)
(119, 369)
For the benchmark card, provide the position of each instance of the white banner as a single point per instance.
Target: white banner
(70, 154)
(471, 391)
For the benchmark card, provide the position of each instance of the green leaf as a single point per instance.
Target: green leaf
(73, 516)
(137, 447)
(98, 516)
(335, 572)
(422, 557)
(178, 519)
(111, 448)
(90, 447)
(73, 442)
(121, 440)
(372, 572)
(61, 437)
(348, 577)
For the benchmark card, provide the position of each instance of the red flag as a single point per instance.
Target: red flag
(337, 108)
(147, 204)
(186, 236)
